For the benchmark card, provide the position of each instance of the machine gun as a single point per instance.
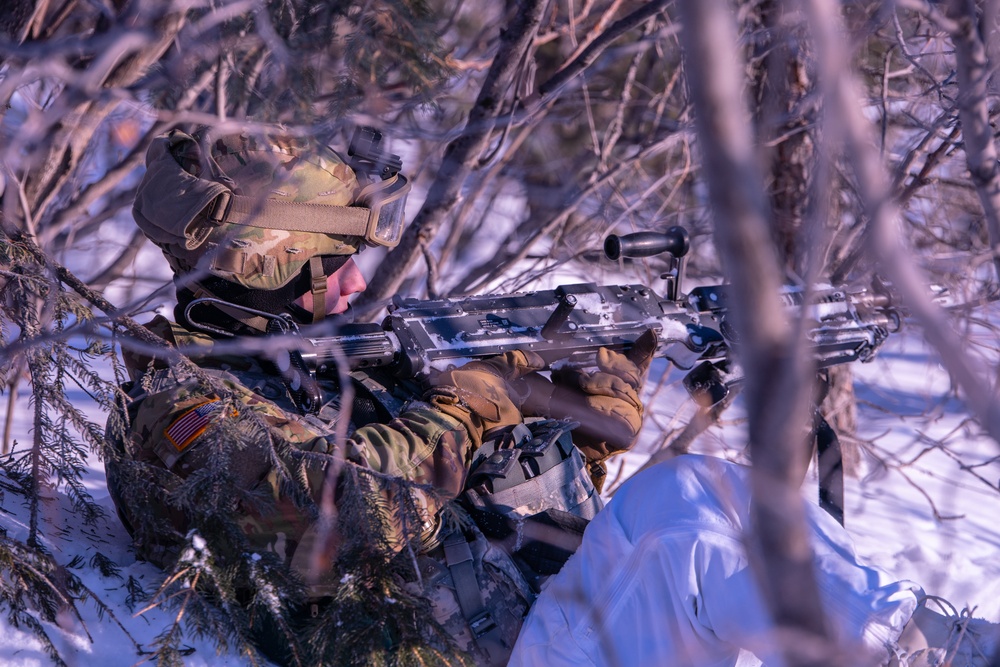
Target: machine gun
(567, 325)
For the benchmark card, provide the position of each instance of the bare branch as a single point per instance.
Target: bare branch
(462, 153)
(887, 243)
(777, 388)
(973, 109)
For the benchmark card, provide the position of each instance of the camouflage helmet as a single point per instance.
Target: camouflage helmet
(255, 211)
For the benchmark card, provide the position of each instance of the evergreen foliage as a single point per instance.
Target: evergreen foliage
(377, 617)
(594, 135)
(46, 321)
(34, 588)
(225, 588)
(214, 583)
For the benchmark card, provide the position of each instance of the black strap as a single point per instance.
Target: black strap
(485, 631)
(830, 464)
(547, 541)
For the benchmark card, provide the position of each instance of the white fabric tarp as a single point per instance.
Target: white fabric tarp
(662, 578)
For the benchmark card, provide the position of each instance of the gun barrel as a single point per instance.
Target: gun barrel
(360, 345)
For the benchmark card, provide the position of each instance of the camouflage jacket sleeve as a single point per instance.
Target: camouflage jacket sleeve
(424, 444)
(186, 426)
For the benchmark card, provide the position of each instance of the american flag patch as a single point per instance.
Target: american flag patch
(191, 424)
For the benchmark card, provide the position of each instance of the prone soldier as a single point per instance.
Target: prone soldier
(260, 233)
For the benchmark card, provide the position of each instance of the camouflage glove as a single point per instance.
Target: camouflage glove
(480, 393)
(606, 402)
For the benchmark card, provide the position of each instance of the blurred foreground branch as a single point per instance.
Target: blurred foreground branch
(777, 379)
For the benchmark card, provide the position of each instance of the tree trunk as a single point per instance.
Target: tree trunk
(777, 382)
(783, 81)
(973, 69)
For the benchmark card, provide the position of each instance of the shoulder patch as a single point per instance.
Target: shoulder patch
(186, 428)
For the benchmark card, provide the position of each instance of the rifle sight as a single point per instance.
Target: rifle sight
(646, 244)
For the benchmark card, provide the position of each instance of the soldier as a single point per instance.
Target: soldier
(261, 234)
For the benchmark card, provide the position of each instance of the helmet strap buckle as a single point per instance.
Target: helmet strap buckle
(318, 288)
(219, 211)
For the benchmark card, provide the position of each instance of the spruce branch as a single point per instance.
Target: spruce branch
(66, 277)
(32, 583)
(375, 617)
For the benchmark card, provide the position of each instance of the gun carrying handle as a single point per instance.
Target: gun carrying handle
(675, 241)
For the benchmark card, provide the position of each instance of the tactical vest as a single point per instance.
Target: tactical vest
(530, 498)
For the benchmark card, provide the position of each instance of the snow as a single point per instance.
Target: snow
(922, 505)
(925, 500)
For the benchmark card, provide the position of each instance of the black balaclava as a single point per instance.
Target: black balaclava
(279, 301)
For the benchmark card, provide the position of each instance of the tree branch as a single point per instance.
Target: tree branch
(973, 110)
(461, 154)
(777, 382)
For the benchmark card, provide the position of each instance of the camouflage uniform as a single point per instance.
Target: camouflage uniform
(242, 409)
(174, 422)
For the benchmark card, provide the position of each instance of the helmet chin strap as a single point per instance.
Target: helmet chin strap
(255, 322)
(318, 289)
(282, 300)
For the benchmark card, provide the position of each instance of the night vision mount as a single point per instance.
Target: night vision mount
(367, 154)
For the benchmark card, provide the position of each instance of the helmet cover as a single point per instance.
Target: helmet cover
(178, 206)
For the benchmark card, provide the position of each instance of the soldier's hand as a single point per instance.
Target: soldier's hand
(480, 394)
(606, 402)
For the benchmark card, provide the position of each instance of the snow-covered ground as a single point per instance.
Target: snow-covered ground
(920, 508)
